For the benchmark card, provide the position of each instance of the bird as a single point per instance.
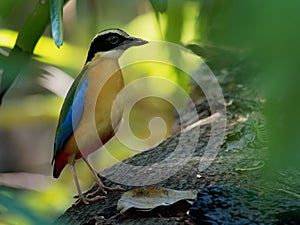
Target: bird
(85, 122)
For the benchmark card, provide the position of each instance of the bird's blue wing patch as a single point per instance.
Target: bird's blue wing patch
(68, 124)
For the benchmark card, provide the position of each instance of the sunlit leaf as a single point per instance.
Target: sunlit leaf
(56, 7)
(175, 21)
(46, 52)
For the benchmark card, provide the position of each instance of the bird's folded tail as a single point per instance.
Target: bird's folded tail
(59, 164)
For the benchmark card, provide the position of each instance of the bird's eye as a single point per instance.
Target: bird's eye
(113, 39)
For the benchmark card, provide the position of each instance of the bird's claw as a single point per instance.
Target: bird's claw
(104, 190)
(91, 197)
(86, 200)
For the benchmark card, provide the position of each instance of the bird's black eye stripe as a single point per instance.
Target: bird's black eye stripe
(113, 39)
(105, 42)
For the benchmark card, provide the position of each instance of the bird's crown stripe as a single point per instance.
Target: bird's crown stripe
(112, 31)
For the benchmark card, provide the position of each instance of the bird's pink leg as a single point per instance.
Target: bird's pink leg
(81, 198)
(101, 186)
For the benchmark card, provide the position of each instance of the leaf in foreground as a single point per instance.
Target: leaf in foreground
(146, 199)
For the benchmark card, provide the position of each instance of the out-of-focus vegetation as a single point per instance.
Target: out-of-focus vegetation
(269, 31)
(266, 30)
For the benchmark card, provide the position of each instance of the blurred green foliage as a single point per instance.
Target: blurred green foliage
(17, 210)
(226, 33)
(269, 29)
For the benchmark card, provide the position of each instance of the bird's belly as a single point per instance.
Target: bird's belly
(98, 122)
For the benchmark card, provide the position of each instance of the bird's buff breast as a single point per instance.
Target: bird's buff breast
(97, 124)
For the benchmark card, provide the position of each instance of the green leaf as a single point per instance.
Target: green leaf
(6, 6)
(204, 51)
(28, 36)
(159, 6)
(56, 16)
(33, 27)
(12, 66)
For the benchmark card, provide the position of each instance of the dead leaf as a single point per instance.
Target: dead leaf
(146, 199)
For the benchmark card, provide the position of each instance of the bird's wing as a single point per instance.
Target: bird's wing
(71, 112)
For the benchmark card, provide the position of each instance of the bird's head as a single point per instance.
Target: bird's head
(112, 43)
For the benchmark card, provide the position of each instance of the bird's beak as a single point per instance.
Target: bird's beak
(133, 41)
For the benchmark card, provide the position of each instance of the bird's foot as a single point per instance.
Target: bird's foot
(104, 189)
(91, 197)
(86, 200)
